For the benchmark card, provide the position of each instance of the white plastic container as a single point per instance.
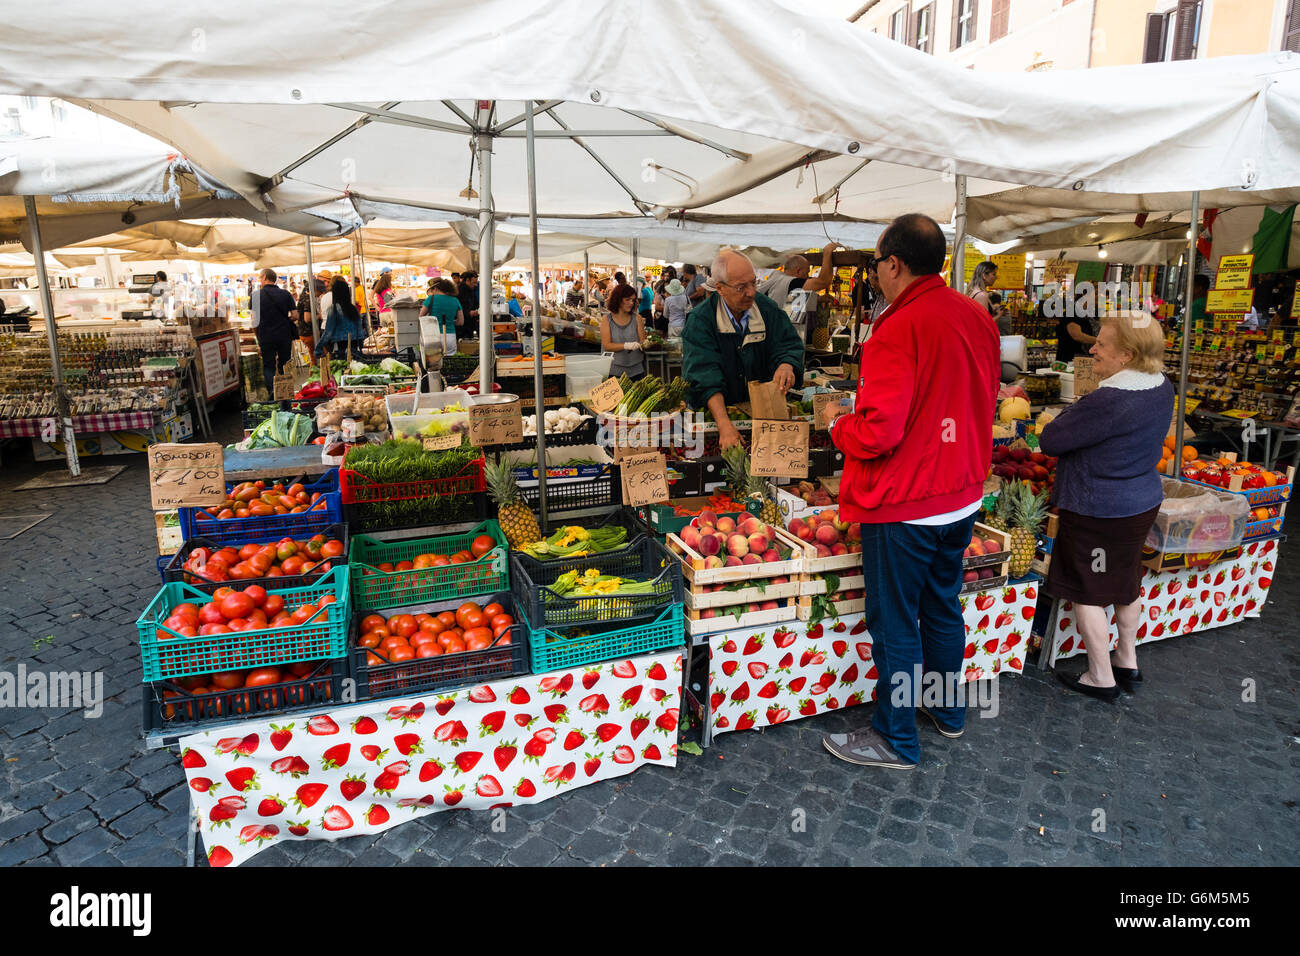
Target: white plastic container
(584, 372)
(409, 417)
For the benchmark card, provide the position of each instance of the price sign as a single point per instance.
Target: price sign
(645, 479)
(498, 424)
(820, 401)
(1295, 302)
(780, 449)
(623, 452)
(1233, 300)
(1057, 271)
(442, 442)
(605, 396)
(186, 476)
(1232, 279)
(283, 388)
(1085, 377)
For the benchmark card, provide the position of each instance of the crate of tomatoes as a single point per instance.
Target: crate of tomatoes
(272, 563)
(258, 510)
(414, 570)
(186, 704)
(437, 646)
(185, 632)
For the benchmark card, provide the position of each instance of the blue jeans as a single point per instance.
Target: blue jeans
(913, 576)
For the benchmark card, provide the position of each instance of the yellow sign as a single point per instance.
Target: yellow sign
(1236, 262)
(1295, 302)
(1232, 279)
(1011, 270)
(1057, 271)
(1232, 300)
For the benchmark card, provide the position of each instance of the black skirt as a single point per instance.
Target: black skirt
(1098, 561)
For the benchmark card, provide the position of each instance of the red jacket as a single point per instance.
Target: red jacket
(919, 441)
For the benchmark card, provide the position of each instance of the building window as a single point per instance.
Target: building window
(898, 25)
(963, 22)
(1000, 23)
(924, 35)
(29, 102)
(1291, 32)
(1174, 35)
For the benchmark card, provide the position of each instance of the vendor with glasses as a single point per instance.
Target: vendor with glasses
(736, 336)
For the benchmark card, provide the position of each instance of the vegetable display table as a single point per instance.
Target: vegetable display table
(1180, 602)
(81, 424)
(274, 463)
(363, 768)
(759, 677)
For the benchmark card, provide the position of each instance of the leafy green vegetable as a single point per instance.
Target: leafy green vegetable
(405, 460)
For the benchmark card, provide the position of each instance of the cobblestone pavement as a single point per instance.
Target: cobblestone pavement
(1186, 772)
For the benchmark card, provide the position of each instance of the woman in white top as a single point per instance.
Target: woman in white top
(676, 307)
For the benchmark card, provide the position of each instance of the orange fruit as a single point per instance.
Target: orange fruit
(1189, 453)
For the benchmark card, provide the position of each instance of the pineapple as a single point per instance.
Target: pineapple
(517, 520)
(743, 484)
(1001, 516)
(1028, 511)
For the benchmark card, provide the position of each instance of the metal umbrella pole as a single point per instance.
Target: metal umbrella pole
(586, 277)
(1181, 400)
(537, 320)
(361, 282)
(636, 265)
(56, 363)
(311, 294)
(486, 236)
(959, 236)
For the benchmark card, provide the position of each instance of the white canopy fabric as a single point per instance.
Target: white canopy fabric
(750, 93)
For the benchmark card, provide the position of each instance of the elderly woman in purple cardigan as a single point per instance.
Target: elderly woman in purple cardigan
(1108, 493)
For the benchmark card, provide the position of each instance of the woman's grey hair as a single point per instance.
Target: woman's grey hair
(718, 271)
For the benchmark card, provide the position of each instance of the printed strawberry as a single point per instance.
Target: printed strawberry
(258, 832)
(746, 720)
(1016, 664)
(970, 650)
(1067, 646)
(385, 783)
(591, 764)
(596, 705)
(1155, 589)
(298, 829)
(667, 721)
(752, 646)
(524, 720)
(630, 697)
(443, 705)
(991, 646)
(984, 601)
(769, 690)
(322, 726)
(815, 632)
(373, 753)
(243, 778)
(813, 656)
(353, 787)
(776, 715)
(1008, 595)
(1014, 638)
(1031, 593)
(623, 754)
(307, 795)
(556, 774)
(488, 786)
(807, 707)
(850, 675)
(377, 815)
(574, 740)
(336, 818)
(1223, 615)
(556, 713)
(1157, 630)
(855, 698)
(796, 685)
(406, 714)
(783, 637)
(729, 667)
(518, 696)
(716, 700)
(535, 748)
(225, 810)
(974, 672)
(337, 756)
(840, 648)
(1219, 578)
(589, 678)
(657, 694)
(858, 628)
(408, 744)
(729, 647)
(1264, 583)
(401, 767)
(656, 672)
(466, 761)
(219, 856)
(452, 732)
(832, 703)
(1027, 613)
(757, 669)
(817, 689)
(280, 736)
(492, 723)
(364, 725)
(741, 693)
(864, 651)
(722, 722)
(786, 662)
(639, 723)
(203, 785)
(504, 753)
(1003, 620)
(983, 625)
(652, 753)
(270, 806)
(429, 770)
(828, 679)
(227, 745)
(192, 759)
(624, 669)
(525, 788)
(840, 627)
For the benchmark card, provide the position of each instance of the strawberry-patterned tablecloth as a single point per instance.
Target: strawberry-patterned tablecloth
(763, 677)
(1183, 602)
(364, 768)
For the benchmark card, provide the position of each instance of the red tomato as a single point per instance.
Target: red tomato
(455, 647)
(236, 605)
(293, 565)
(436, 626)
(448, 618)
(502, 639)
(403, 653)
(482, 545)
(463, 612)
(301, 668)
(431, 649)
(211, 614)
(331, 549)
(248, 550)
(479, 643)
(228, 680)
(404, 566)
(472, 619)
(274, 605)
(257, 594)
(423, 620)
(393, 641)
(237, 624)
(369, 640)
(406, 625)
(423, 637)
(492, 610)
(257, 620)
(219, 593)
(261, 676)
(391, 623)
(501, 629)
(477, 634)
(374, 660)
(214, 629)
(499, 619)
(372, 621)
(186, 609)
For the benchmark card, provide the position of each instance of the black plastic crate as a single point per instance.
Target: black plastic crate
(186, 713)
(444, 672)
(692, 480)
(604, 490)
(252, 419)
(369, 517)
(175, 571)
(456, 367)
(711, 472)
(622, 517)
(645, 559)
(584, 434)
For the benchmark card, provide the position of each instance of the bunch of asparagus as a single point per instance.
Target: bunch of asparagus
(650, 395)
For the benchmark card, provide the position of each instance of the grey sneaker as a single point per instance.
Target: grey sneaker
(951, 734)
(866, 748)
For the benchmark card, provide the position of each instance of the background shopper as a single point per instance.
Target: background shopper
(622, 333)
(275, 322)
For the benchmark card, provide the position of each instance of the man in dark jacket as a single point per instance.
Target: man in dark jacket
(468, 295)
(736, 336)
(275, 318)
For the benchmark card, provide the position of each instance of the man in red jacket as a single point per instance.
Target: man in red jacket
(917, 448)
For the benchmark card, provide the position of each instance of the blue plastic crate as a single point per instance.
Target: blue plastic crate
(552, 650)
(304, 524)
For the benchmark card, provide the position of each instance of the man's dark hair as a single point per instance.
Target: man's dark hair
(444, 287)
(917, 240)
(620, 279)
(1200, 283)
(268, 275)
(466, 276)
(688, 270)
(160, 276)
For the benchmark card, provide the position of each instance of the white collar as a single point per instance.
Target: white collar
(1131, 380)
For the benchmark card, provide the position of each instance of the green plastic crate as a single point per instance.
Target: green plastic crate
(324, 635)
(552, 650)
(373, 588)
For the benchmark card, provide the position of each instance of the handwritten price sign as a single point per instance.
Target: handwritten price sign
(283, 388)
(496, 424)
(605, 396)
(820, 401)
(645, 479)
(442, 442)
(780, 449)
(186, 476)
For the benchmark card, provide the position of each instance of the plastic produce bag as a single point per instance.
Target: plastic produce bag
(1194, 519)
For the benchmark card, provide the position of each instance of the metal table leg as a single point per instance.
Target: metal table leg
(195, 823)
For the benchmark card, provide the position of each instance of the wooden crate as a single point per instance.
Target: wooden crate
(816, 584)
(700, 600)
(730, 622)
(855, 606)
(695, 572)
(836, 562)
(1003, 554)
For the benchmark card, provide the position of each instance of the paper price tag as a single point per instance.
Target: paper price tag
(645, 479)
(780, 449)
(186, 476)
(496, 424)
(1233, 300)
(820, 401)
(605, 396)
(283, 388)
(623, 452)
(442, 442)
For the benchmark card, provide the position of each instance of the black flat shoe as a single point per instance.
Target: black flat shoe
(1108, 694)
(1126, 677)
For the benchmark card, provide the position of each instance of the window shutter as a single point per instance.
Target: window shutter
(1185, 29)
(1291, 34)
(1001, 22)
(956, 37)
(1155, 43)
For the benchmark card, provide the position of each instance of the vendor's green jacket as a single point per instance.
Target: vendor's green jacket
(714, 359)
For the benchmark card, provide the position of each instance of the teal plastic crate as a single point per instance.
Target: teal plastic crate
(372, 588)
(552, 650)
(167, 654)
